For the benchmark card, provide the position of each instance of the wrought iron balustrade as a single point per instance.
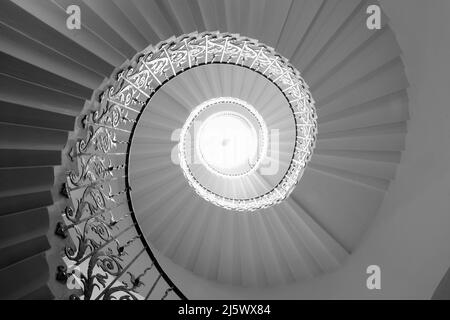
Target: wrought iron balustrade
(106, 256)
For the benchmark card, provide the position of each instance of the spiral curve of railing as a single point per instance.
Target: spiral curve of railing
(106, 255)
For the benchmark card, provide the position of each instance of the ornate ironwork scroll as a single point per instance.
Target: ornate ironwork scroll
(107, 256)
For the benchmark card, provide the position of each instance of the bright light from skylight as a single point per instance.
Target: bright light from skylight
(228, 144)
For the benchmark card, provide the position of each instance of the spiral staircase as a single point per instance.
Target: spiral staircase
(56, 86)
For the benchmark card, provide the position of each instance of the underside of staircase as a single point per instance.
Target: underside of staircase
(50, 75)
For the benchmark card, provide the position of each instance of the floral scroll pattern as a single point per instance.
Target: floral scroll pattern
(105, 242)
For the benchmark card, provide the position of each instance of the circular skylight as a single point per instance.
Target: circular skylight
(226, 135)
(246, 153)
(228, 144)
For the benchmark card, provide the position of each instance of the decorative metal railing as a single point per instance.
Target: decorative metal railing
(106, 255)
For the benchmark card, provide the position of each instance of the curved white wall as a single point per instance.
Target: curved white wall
(410, 238)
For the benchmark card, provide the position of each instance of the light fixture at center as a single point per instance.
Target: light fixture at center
(227, 144)
(226, 135)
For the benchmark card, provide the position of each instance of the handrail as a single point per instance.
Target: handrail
(105, 244)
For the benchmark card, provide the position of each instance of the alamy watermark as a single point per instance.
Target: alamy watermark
(373, 22)
(268, 165)
(73, 21)
(374, 280)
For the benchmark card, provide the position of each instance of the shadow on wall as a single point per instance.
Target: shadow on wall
(443, 290)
